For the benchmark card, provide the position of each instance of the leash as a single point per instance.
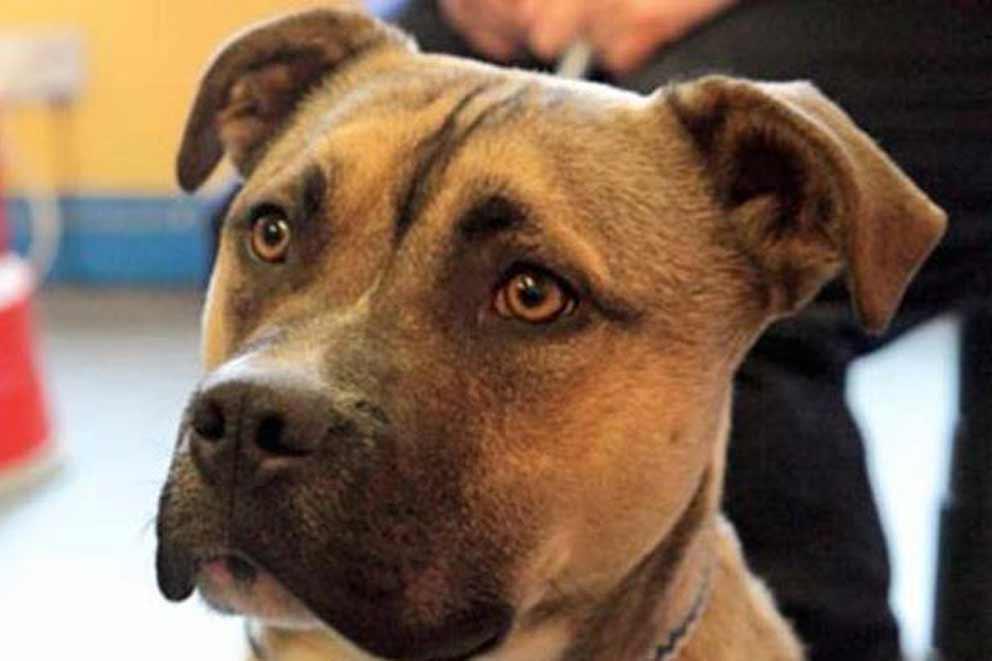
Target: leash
(576, 62)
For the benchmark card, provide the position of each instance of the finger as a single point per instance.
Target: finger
(632, 30)
(516, 13)
(455, 13)
(608, 21)
(627, 54)
(527, 10)
(493, 46)
(484, 32)
(508, 17)
(555, 24)
(482, 16)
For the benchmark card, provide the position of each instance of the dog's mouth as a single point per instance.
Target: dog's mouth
(232, 568)
(232, 583)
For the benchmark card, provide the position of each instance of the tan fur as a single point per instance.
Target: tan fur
(741, 623)
(588, 463)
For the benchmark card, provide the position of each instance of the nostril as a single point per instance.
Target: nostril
(271, 436)
(208, 421)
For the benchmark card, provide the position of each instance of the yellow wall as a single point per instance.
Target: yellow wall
(144, 58)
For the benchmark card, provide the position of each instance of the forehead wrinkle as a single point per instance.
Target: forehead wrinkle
(440, 148)
(313, 191)
(490, 215)
(427, 154)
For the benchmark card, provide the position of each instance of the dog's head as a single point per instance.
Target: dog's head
(471, 331)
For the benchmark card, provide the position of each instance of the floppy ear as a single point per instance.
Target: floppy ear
(808, 193)
(257, 79)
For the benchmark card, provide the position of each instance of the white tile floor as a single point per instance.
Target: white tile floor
(76, 577)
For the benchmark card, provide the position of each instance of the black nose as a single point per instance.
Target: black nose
(259, 418)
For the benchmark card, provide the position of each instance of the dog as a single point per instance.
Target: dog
(469, 345)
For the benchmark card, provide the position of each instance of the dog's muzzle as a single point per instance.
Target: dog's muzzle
(243, 428)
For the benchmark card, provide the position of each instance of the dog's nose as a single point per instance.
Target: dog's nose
(258, 418)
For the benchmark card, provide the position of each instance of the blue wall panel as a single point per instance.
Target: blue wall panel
(107, 240)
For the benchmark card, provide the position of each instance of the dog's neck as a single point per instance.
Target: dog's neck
(546, 644)
(737, 620)
(667, 632)
(651, 615)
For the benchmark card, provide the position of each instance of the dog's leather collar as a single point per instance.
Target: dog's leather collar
(677, 637)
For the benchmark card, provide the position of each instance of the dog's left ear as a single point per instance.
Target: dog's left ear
(258, 78)
(808, 193)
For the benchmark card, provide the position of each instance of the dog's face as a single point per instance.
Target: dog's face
(471, 331)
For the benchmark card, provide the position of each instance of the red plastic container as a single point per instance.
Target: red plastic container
(26, 448)
(25, 435)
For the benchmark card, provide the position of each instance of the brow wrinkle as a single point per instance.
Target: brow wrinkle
(493, 214)
(429, 153)
(438, 150)
(312, 192)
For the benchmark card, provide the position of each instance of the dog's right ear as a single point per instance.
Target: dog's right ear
(256, 80)
(808, 194)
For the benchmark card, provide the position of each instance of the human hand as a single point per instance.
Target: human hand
(622, 33)
(496, 28)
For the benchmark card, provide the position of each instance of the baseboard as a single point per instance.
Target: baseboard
(15, 480)
(126, 240)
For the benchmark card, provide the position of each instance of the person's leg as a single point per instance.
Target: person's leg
(798, 492)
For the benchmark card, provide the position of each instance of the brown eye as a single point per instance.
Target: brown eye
(534, 297)
(270, 237)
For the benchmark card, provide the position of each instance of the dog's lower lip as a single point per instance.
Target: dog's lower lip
(484, 648)
(240, 568)
(487, 646)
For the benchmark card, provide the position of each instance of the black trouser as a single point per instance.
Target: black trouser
(918, 77)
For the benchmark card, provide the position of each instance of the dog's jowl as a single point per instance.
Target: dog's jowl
(469, 344)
